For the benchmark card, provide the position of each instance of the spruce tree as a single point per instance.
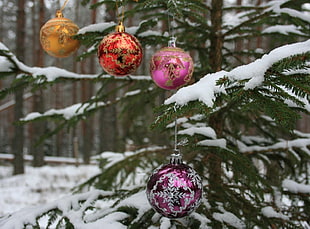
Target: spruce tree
(236, 121)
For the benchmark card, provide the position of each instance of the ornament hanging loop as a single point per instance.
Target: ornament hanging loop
(120, 27)
(59, 14)
(64, 5)
(176, 157)
(120, 17)
(172, 42)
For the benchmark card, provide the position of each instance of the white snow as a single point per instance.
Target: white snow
(255, 70)
(300, 143)
(277, 7)
(42, 189)
(164, 223)
(206, 131)
(52, 73)
(75, 109)
(216, 142)
(67, 112)
(229, 218)
(294, 187)
(99, 27)
(39, 186)
(4, 63)
(3, 47)
(205, 89)
(48, 187)
(231, 20)
(271, 213)
(137, 200)
(150, 33)
(283, 29)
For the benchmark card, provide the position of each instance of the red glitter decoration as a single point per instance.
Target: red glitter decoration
(120, 53)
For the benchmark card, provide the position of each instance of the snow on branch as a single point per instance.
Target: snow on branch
(67, 113)
(52, 73)
(283, 29)
(99, 27)
(229, 218)
(271, 213)
(301, 143)
(277, 7)
(294, 187)
(72, 207)
(87, 210)
(206, 89)
(77, 109)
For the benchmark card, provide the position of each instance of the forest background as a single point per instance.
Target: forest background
(83, 112)
(111, 129)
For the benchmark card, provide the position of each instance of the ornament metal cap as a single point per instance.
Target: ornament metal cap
(172, 41)
(59, 14)
(120, 27)
(176, 157)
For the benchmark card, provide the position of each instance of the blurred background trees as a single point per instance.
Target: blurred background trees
(115, 114)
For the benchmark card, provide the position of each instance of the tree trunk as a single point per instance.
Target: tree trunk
(216, 35)
(37, 147)
(87, 127)
(38, 131)
(239, 43)
(18, 138)
(87, 88)
(108, 133)
(1, 27)
(108, 129)
(216, 121)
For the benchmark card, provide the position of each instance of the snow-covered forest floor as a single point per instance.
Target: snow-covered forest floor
(39, 185)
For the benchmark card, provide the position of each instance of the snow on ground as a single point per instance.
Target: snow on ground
(39, 185)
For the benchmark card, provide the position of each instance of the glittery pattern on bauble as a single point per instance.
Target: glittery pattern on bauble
(171, 68)
(120, 53)
(56, 37)
(174, 190)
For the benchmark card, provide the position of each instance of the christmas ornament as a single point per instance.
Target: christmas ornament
(174, 190)
(171, 67)
(56, 36)
(120, 53)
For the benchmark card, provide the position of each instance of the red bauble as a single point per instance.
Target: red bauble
(120, 53)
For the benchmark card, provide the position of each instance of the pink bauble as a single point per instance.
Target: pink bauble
(174, 190)
(171, 68)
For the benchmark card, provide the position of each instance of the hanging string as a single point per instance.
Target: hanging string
(172, 40)
(64, 5)
(175, 157)
(120, 15)
(169, 29)
(176, 150)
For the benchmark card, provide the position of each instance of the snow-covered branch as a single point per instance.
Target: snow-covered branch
(206, 89)
(52, 73)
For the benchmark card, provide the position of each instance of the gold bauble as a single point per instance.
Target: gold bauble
(56, 36)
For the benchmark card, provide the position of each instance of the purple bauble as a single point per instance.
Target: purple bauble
(171, 68)
(174, 190)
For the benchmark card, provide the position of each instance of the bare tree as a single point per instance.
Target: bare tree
(18, 138)
(37, 148)
(108, 122)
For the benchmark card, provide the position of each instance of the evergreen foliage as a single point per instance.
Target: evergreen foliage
(244, 145)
